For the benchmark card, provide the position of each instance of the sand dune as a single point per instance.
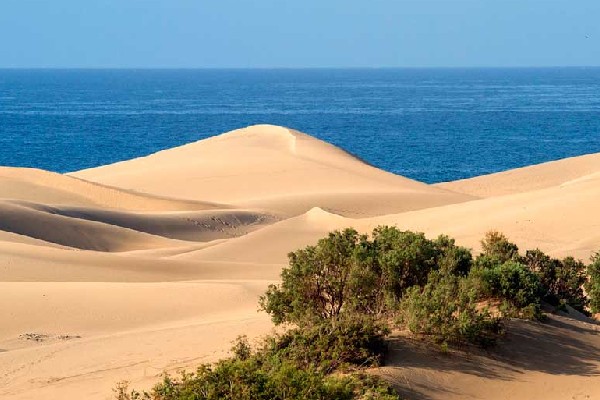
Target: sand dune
(556, 360)
(558, 220)
(156, 263)
(26, 262)
(29, 184)
(271, 245)
(535, 177)
(561, 220)
(73, 232)
(356, 205)
(10, 237)
(263, 163)
(196, 226)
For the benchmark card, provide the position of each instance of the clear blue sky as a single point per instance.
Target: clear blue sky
(299, 33)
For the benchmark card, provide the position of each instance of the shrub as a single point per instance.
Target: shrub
(496, 245)
(405, 260)
(241, 348)
(274, 372)
(251, 379)
(562, 281)
(593, 285)
(347, 274)
(446, 310)
(515, 285)
(330, 346)
(568, 286)
(452, 259)
(325, 281)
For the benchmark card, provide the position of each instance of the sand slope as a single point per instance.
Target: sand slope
(270, 167)
(29, 184)
(28, 221)
(559, 220)
(535, 177)
(123, 271)
(556, 360)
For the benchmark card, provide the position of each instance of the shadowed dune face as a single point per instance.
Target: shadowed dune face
(80, 234)
(157, 263)
(194, 226)
(553, 360)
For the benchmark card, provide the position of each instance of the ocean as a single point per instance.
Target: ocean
(432, 125)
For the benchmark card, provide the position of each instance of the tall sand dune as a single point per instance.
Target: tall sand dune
(269, 166)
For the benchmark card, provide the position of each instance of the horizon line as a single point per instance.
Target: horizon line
(303, 68)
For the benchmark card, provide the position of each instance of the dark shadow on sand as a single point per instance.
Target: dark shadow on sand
(558, 346)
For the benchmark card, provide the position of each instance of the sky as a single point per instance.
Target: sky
(298, 34)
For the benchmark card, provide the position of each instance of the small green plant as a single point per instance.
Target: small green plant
(241, 348)
(122, 392)
(496, 245)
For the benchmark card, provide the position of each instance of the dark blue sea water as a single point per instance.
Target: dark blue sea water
(428, 124)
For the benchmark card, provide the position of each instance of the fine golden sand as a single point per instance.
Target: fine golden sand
(124, 271)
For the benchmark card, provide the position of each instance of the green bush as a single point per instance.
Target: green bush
(593, 285)
(562, 281)
(330, 346)
(346, 274)
(404, 258)
(452, 259)
(512, 283)
(446, 310)
(278, 371)
(252, 379)
(496, 245)
(323, 282)
(568, 286)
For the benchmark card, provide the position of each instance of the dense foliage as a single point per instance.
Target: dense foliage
(593, 286)
(331, 347)
(347, 275)
(447, 310)
(278, 371)
(496, 246)
(516, 287)
(339, 297)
